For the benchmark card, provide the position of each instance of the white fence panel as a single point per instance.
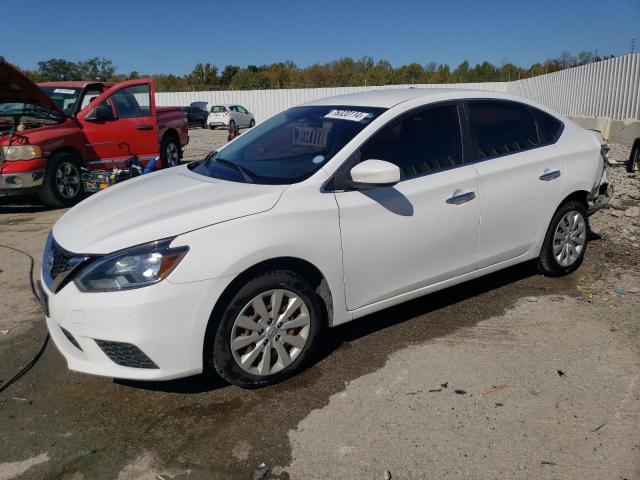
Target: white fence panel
(610, 88)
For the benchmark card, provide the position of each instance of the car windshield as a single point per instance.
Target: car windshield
(289, 147)
(13, 114)
(65, 98)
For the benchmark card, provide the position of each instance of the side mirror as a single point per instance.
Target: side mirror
(101, 112)
(375, 173)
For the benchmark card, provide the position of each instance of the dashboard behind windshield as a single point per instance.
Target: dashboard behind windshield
(289, 147)
(65, 98)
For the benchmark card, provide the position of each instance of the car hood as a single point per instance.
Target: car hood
(156, 206)
(15, 87)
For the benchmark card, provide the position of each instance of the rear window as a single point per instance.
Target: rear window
(549, 127)
(218, 109)
(501, 128)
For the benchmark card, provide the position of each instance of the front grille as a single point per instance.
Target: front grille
(126, 354)
(71, 338)
(58, 264)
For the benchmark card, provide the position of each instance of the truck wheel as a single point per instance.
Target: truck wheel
(170, 152)
(565, 242)
(62, 185)
(267, 332)
(204, 124)
(634, 158)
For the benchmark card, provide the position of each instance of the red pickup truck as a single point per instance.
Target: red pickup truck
(48, 132)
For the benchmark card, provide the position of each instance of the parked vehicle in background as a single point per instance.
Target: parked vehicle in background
(48, 133)
(196, 115)
(320, 215)
(230, 116)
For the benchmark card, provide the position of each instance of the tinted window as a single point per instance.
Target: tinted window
(421, 143)
(549, 127)
(218, 109)
(289, 147)
(133, 101)
(500, 128)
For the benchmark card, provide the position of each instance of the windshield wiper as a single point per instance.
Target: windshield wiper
(247, 174)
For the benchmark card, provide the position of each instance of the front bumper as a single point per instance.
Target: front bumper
(151, 333)
(16, 183)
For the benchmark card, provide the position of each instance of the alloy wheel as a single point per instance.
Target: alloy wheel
(68, 180)
(172, 154)
(569, 238)
(270, 332)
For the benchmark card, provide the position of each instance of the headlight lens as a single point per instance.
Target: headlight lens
(21, 152)
(131, 268)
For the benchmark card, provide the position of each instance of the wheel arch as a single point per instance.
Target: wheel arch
(581, 196)
(171, 132)
(304, 268)
(70, 150)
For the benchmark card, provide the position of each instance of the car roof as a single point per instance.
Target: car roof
(387, 98)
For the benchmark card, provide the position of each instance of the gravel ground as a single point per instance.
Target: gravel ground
(513, 375)
(202, 141)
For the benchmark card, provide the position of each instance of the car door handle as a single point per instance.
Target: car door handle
(460, 198)
(549, 175)
(144, 127)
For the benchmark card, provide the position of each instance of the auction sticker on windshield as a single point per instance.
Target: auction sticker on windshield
(64, 90)
(352, 115)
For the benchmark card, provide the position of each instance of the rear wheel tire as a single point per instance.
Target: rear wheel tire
(62, 186)
(252, 123)
(232, 125)
(566, 241)
(170, 152)
(204, 124)
(267, 332)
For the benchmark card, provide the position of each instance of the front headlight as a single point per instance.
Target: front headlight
(130, 268)
(21, 152)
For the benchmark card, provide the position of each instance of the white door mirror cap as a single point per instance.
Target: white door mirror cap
(375, 173)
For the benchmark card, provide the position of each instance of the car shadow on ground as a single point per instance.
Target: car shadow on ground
(22, 204)
(362, 327)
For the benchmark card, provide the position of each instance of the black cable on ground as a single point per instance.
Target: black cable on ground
(33, 361)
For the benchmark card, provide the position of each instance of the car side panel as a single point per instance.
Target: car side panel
(304, 224)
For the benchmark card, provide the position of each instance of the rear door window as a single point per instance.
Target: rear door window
(500, 128)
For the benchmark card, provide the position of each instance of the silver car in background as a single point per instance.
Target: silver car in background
(230, 117)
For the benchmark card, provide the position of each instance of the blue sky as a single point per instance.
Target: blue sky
(166, 36)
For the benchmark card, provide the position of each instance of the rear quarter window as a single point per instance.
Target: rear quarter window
(549, 127)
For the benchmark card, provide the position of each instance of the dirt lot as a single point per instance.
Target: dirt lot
(510, 376)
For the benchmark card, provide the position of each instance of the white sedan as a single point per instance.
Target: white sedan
(321, 215)
(230, 116)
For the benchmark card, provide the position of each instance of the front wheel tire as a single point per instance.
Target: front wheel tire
(267, 332)
(565, 242)
(62, 186)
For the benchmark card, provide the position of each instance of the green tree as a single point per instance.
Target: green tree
(58, 69)
(228, 73)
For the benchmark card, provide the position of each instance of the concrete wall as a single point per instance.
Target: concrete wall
(616, 131)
